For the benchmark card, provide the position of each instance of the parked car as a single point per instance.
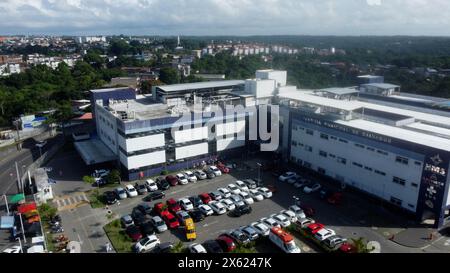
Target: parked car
(237, 200)
(265, 192)
(163, 248)
(229, 205)
(138, 217)
(159, 224)
(126, 221)
(196, 248)
(215, 195)
(290, 215)
(256, 195)
(300, 183)
(145, 208)
(151, 185)
(196, 201)
(197, 215)
(182, 179)
(247, 198)
(334, 242)
(303, 223)
(131, 191)
(224, 192)
(250, 232)
(234, 189)
(284, 177)
(159, 208)
(261, 229)
(314, 228)
(173, 205)
(207, 210)
(215, 170)
(324, 233)
(99, 182)
(270, 222)
(205, 198)
(201, 175)
(282, 220)
(190, 176)
(101, 173)
(226, 243)
(347, 248)
(140, 188)
(146, 244)
(241, 210)
(162, 183)
(325, 193)
(172, 180)
(182, 216)
(309, 211)
(210, 174)
(147, 228)
(212, 246)
(121, 193)
(223, 168)
(186, 204)
(217, 207)
(298, 211)
(134, 233)
(311, 189)
(241, 185)
(335, 198)
(110, 197)
(154, 196)
(239, 237)
(170, 219)
(251, 184)
(292, 180)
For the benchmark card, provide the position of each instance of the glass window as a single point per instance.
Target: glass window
(398, 180)
(402, 160)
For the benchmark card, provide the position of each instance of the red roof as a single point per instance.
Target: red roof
(26, 207)
(86, 116)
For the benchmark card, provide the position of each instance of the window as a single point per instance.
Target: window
(310, 132)
(321, 171)
(343, 140)
(342, 160)
(380, 172)
(402, 160)
(396, 201)
(333, 137)
(360, 146)
(306, 164)
(371, 149)
(324, 136)
(295, 128)
(411, 206)
(294, 143)
(418, 163)
(382, 152)
(398, 180)
(308, 148)
(368, 168)
(415, 185)
(357, 164)
(323, 154)
(332, 155)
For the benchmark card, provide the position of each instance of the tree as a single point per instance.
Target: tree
(169, 75)
(360, 245)
(113, 177)
(47, 212)
(248, 248)
(178, 248)
(88, 179)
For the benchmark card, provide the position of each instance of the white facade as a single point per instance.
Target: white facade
(191, 151)
(191, 135)
(279, 76)
(224, 129)
(142, 143)
(229, 143)
(260, 88)
(138, 161)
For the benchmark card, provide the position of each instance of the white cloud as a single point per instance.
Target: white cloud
(223, 17)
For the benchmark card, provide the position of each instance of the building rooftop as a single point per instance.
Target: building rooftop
(110, 89)
(339, 91)
(200, 85)
(308, 97)
(381, 85)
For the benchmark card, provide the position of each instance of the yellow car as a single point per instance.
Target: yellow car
(190, 230)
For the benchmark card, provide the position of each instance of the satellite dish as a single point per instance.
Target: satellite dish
(374, 247)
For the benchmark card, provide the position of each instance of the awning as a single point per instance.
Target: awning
(6, 222)
(94, 151)
(16, 198)
(26, 208)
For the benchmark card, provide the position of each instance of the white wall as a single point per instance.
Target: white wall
(287, 89)
(279, 76)
(191, 151)
(191, 135)
(260, 88)
(138, 161)
(141, 143)
(229, 143)
(230, 128)
(107, 128)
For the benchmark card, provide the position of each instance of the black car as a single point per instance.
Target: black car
(154, 196)
(212, 246)
(242, 210)
(110, 197)
(141, 189)
(138, 217)
(196, 201)
(197, 215)
(145, 208)
(163, 248)
(325, 193)
(162, 184)
(147, 229)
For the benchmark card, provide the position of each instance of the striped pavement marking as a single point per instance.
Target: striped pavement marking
(70, 201)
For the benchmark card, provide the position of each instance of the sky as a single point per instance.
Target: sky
(225, 17)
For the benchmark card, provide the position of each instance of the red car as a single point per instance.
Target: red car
(347, 248)
(159, 208)
(223, 168)
(226, 243)
(172, 180)
(314, 228)
(205, 198)
(335, 198)
(134, 233)
(173, 205)
(171, 221)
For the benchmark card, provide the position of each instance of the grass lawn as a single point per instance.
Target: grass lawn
(119, 239)
(96, 199)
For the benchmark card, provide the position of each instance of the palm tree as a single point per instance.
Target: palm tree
(360, 245)
(178, 248)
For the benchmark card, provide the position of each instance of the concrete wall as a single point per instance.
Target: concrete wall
(138, 161)
(191, 151)
(141, 143)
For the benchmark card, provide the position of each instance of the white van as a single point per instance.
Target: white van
(283, 240)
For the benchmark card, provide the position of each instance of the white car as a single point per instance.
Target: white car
(159, 224)
(304, 222)
(151, 185)
(197, 248)
(247, 198)
(121, 193)
(261, 229)
(206, 210)
(224, 192)
(282, 220)
(14, 249)
(191, 176)
(284, 177)
(324, 233)
(293, 179)
(241, 185)
(234, 189)
(201, 175)
(217, 207)
(298, 211)
(228, 204)
(313, 188)
(237, 200)
(290, 215)
(215, 170)
(147, 243)
(265, 192)
(131, 191)
(256, 195)
(182, 179)
(270, 222)
(186, 204)
(101, 173)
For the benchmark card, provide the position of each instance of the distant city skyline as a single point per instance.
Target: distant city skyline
(225, 17)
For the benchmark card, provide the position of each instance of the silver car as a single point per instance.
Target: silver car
(121, 193)
(201, 175)
(250, 232)
(159, 224)
(237, 200)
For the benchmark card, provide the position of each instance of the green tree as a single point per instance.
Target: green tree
(179, 248)
(113, 177)
(169, 75)
(88, 179)
(360, 245)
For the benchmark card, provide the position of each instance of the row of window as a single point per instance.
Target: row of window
(399, 202)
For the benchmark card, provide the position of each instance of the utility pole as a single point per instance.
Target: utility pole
(6, 203)
(19, 180)
(31, 184)
(23, 231)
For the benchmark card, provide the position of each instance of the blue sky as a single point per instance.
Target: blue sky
(225, 17)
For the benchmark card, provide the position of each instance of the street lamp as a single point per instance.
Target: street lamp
(6, 203)
(259, 173)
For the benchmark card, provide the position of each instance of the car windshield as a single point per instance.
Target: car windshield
(120, 191)
(290, 246)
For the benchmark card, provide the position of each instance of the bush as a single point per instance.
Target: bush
(165, 172)
(47, 212)
(113, 177)
(88, 179)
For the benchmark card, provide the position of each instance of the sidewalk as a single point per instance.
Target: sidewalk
(416, 237)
